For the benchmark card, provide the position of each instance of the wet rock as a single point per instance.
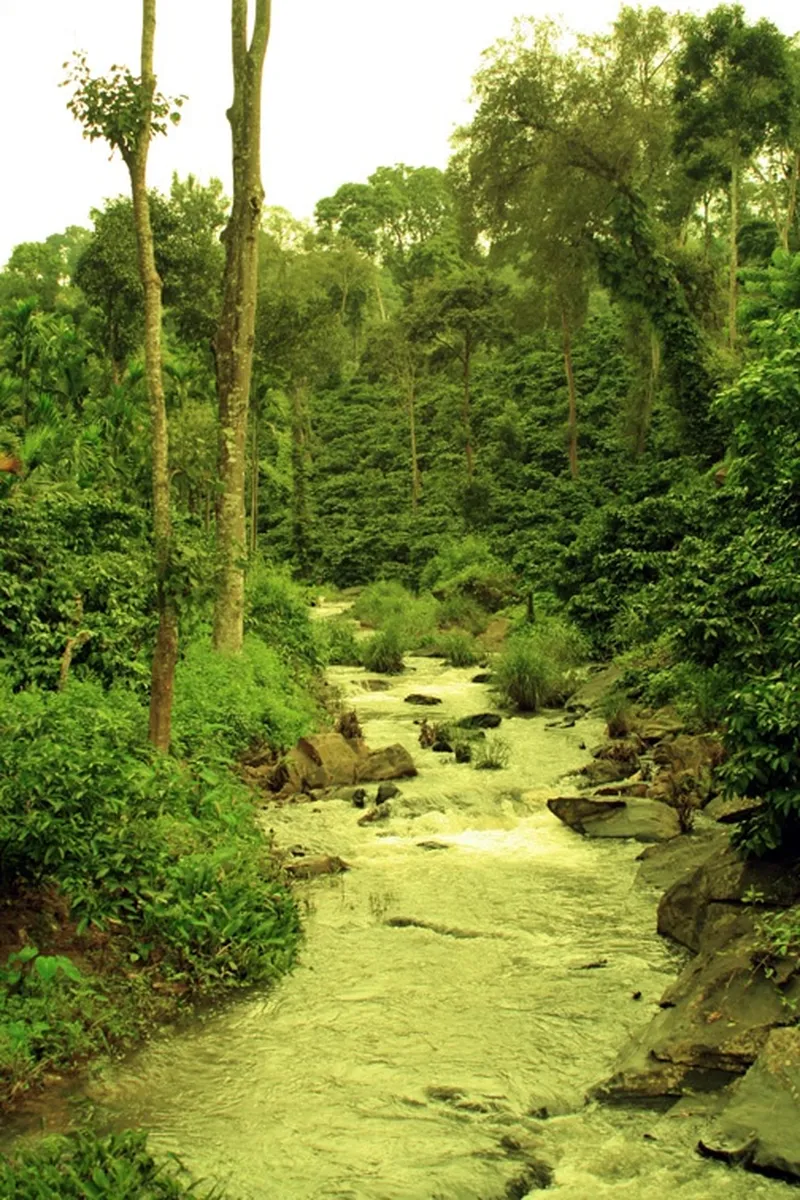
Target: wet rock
(433, 845)
(716, 1019)
(760, 1126)
(392, 762)
(486, 720)
(320, 761)
(385, 792)
(351, 795)
(421, 698)
(642, 820)
(593, 691)
(482, 677)
(463, 752)
(376, 685)
(724, 878)
(375, 813)
(625, 787)
(536, 1176)
(664, 864)
(349, 726)
(662, 723)
(442, 746)
(687, 764)
(310, 866)
(606, 770)
(731, 812)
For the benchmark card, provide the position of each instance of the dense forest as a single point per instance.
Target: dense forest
(558, 379)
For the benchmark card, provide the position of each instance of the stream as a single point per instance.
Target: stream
(436, 1059)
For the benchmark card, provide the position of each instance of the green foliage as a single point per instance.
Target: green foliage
(763, 743)
(85, 1166)
(467, 569)
(459, 648)
(413, 619)
(340, 646)
(536, 668)
(492, 753)
(383, 652)
(223, 704)
(277, 613)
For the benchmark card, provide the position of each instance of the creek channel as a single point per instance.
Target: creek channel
(435, 1059)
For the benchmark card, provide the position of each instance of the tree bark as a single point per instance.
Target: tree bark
(416, 482)
(466, 407)
(236, 330)
(254, 485)
(301, 520)
(166, 650)
(733, 285)
(572, 423)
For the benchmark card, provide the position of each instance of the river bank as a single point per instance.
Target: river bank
(447, 1056)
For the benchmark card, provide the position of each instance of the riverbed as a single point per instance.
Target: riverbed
(459, 990)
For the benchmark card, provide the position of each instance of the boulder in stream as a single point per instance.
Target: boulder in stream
(486, 720)
(310, 866)
(421, 698)
(392, 762)
(629, 817)
(760, 1125)
(690, 909)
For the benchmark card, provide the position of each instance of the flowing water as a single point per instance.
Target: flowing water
(437, 1058)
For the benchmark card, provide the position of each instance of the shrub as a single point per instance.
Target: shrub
(464, 612)
(224, 704)
(459, 648)
(536, 668)
(491, 754)
(340, 646)
(117, 1166)
(468, 567)
(617, 708)
(277, 613)
(388, 603)
(383, 652)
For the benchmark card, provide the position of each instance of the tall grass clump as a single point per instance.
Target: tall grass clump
(459, 648)
(383, 652)
(339, 645)
(117, 1166)
(537, 667)
(387, 603)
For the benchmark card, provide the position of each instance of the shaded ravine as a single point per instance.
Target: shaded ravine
(448, 997)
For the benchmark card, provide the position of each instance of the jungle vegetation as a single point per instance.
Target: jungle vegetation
(561, 374)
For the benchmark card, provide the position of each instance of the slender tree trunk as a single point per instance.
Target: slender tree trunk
(254, 485)
(236, 330)
(416, 482)
(379, 298)
(466, 408)
(166, 649)
(301, 520)
(791, 208)
(572, 423)
(733, 285)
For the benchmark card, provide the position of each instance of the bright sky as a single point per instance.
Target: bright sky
(350, 85)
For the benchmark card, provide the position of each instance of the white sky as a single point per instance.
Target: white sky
(350, 85)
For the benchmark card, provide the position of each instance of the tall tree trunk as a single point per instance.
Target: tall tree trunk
(416, 483)
(166, 649)
(733, 285)
(572, 424)
(379, 298)
(301, 520)
(254, 485)
(466, 407)
(236, 331)
(791, 208)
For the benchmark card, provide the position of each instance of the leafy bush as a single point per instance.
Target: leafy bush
(536, 667)
(383, 652)
(387, 603)
(763, 744)
(339, 643)
(459, 648)
(491, 754)
(468, 567)
(223, 704)
(464, 612)
(277, 613)
(117, 1166)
